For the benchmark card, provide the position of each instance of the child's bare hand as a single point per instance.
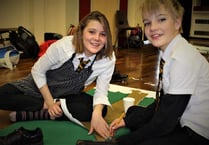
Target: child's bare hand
(116, 124)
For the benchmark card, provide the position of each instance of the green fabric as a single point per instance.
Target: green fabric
(122, 131)
(146, 101)
(116, 96)
(66, 132)
(112, 96)
(54, 132)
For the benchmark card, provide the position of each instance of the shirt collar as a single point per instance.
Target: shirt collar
(171, 46)
(80, 55)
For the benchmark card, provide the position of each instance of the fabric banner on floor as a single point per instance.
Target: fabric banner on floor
(67, 132)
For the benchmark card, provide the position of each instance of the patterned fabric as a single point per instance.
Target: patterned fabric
(61, 81)
(82, 64)
(162, 62)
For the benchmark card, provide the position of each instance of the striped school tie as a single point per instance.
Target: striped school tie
(82, 64)
(162, 62)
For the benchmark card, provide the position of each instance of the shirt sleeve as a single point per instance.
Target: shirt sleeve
(106, 67)
(54, 57)
(163, 122)
(182, 75)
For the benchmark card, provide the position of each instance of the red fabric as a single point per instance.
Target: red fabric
(44, 46)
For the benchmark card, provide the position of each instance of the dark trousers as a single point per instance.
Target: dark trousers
(79, 105)
(13, 99)
(180, 136)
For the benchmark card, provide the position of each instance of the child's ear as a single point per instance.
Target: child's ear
(178, 23)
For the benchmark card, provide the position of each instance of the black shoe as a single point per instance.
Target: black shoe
(23, 136)
(118, 77)
(89, 142)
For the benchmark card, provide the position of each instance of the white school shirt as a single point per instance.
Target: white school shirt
(186, 71)
(61, 51)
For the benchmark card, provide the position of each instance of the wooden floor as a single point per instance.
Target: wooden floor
(140, 64)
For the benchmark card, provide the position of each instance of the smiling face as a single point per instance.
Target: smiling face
(94, 37)
(160, 27)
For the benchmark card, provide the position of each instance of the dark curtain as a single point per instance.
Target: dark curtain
(186, 24)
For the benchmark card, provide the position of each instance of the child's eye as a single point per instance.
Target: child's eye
(146, 24)
(162, 19)
(91, 31)
(103, 34)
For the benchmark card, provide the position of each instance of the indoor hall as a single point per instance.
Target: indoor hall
(139, 63)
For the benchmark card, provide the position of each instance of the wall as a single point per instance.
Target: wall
(40, 16)
(13, 13)
(134, 13)
(48, 16)
(108, 7)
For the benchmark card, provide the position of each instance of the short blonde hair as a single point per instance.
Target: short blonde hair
(150, 7)
(78, 41)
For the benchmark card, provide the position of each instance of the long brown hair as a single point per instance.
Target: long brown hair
(78, 35)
